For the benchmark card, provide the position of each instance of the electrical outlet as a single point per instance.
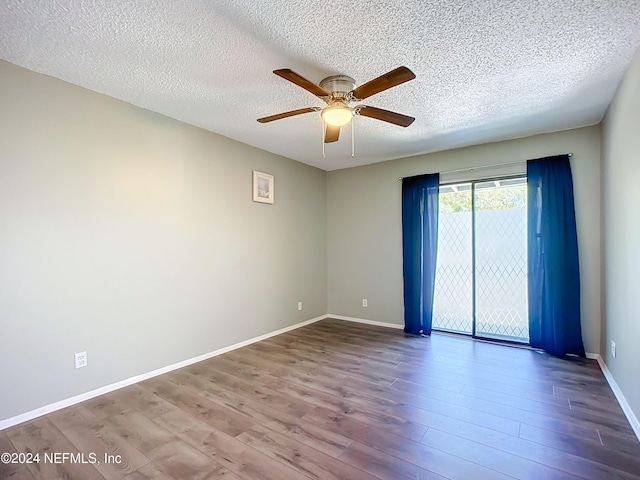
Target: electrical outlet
(81, 359)
(299, 305)
(364, 302)
(613, 349)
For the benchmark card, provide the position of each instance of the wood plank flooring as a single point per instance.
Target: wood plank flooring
(338, 400)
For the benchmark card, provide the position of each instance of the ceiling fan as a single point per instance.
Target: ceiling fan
(338, 92)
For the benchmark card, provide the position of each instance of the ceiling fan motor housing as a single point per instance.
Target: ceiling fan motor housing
(338, 84)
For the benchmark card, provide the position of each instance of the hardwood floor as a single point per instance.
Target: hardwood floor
(340, 400)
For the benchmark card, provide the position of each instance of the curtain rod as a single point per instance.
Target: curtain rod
(471, 169)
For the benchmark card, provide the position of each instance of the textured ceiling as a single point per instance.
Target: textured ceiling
(486, 70)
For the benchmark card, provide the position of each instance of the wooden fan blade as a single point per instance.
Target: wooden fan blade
(331, 134)
(386, 116)
(384, 82)
(293, 77)
(286, 114)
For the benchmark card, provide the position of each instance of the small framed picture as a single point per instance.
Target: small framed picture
(262, 187)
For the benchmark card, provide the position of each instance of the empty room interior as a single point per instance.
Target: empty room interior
(292, 240)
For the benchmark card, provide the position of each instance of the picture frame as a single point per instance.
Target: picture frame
(263, 187)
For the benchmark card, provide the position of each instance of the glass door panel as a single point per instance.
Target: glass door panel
(453, 297)
(500, 209)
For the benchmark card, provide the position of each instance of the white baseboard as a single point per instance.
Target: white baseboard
(38, 412)
(626, 408)
(368, 322)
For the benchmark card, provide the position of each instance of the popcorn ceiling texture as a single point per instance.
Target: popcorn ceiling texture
(486, 70)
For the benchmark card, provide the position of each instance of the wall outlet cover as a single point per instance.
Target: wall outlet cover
(81, 359)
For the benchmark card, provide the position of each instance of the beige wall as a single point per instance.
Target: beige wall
(621, 234)
(365, 233)
(134, 237)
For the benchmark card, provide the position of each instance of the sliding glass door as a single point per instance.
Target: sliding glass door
(481, 273)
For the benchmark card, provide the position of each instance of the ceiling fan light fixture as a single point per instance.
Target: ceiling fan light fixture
(337, 115)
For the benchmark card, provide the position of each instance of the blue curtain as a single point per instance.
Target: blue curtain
(554, 273)
(419, 249)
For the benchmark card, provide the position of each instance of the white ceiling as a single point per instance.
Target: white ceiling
(486, 70)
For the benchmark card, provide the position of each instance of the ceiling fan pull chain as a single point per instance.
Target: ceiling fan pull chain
(323, 131)
(353, 138)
